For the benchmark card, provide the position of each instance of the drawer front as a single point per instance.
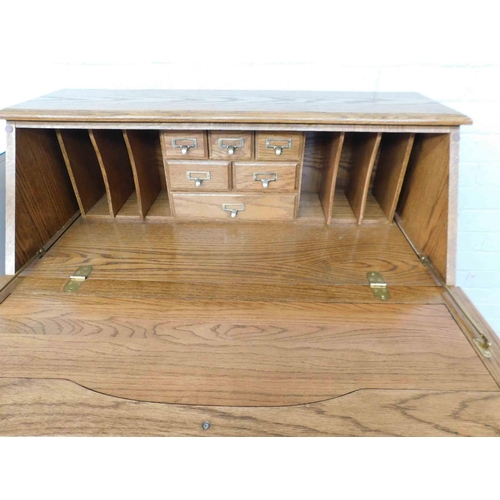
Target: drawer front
(234, 206)
(231, 145)
(198, 175)
(185, 144)
(285, 146)
(265, 176)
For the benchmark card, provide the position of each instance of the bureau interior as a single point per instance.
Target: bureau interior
(360, 178)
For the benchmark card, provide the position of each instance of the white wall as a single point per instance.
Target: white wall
(445, 50)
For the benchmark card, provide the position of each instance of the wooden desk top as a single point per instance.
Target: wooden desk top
(245, 106)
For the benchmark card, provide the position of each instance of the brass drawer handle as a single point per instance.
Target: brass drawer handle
(198, 177)
(233, 144)
(176, 143)
(265, 178)
(278, 148)
(233, 211)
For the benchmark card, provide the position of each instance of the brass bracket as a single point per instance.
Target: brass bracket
(77, 278)
(483, 344)
(378, 285)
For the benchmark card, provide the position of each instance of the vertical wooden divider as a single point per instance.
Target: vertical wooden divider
(44, 197)
(302, 150)
(365, 150)
(329, 175)
(83, 167)
(163, 150)
(424, 204)
(115, 167)
(141, 147)
(395, 150)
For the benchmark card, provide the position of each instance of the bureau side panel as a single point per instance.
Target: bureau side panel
(40, 186)
(427, 206)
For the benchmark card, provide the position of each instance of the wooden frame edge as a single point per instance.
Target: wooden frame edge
(10, 281)
(305, 127)
(452, 237)
(454, 297)
(10, 201)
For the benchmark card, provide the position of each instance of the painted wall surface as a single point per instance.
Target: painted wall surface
(445, 50)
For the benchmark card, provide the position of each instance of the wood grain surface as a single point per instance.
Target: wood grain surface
(395, 152)
(365, 151)
(235, 353)
(300, 167)
(286, 173)
(4, 279)
(44, 196)
(115, 166)
(261, 331)
(346, 159)
(41, 407)
(83, 167)
(329, 175)
(160, 161)
(310, 210)
(130, 209)
(196, 140)
(229, 253)
(294, 152)
(261, 292)
(342, 211)
(474, 331)
(423, 205)
(251, 106)
(315, 150)
(373, 211)
(141, 147)
(100, 210)
(219, 172)
(160, 210)
(267, 127)
(257, 207)
(218, 152)
(452, 236)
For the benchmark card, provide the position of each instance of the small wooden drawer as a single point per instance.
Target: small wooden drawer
(231, 145)
(185, 144)
(283, 146)
(265, 176)
(198, 175)
(234, 206)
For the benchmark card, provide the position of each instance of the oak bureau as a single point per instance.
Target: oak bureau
(238, 263)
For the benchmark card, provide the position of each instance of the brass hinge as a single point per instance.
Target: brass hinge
(378, 285)
(77, 278)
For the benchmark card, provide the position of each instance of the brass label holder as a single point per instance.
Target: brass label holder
(378, 285)
(77, 278)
